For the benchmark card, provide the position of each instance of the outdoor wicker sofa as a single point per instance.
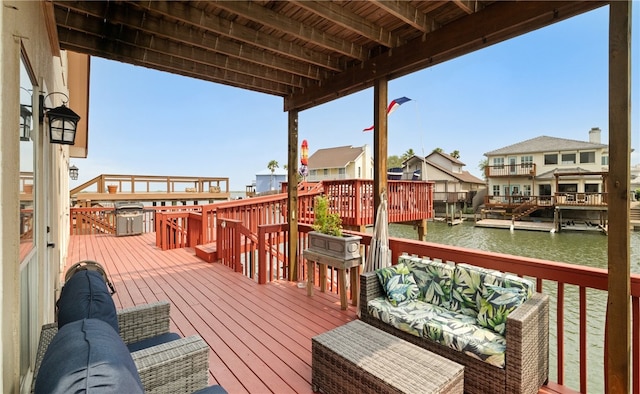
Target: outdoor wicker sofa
(177, 366)
(525, 359)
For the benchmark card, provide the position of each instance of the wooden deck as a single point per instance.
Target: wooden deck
(259, 335)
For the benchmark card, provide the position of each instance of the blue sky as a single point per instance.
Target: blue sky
(550, 82)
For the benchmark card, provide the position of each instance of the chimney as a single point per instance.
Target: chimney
(594, 135)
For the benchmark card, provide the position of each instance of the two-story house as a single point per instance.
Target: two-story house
(549, 172)
(342, 162)
(453, 185)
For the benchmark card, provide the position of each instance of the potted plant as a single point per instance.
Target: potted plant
(327, 237)
(112, 188)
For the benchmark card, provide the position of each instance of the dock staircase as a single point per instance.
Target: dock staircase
(524, 210)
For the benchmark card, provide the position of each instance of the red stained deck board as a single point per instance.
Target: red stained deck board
(259, 335)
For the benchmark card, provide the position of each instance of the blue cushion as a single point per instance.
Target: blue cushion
(87, 356)
(157, 340)
(85, 296)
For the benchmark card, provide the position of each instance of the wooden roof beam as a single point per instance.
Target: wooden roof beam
(351, 21)
(493, 24)
(144, 41)
(467, 6)
(199, 19)
(84, 43)
(404, 11)
(151, 25)
(266, 17)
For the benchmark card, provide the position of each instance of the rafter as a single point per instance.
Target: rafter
(143, 40)
(467, 6)
(408, 14)
(351, 21)
(196, 18)
(272, 19)
(500, 21)
(111, 49)
(149, 24)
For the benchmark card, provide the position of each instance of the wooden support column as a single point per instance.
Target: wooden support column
(380, 138)
(292, 193)
(618, 326)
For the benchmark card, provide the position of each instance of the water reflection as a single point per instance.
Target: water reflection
(582, 248)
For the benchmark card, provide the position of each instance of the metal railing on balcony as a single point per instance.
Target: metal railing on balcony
(510, 170)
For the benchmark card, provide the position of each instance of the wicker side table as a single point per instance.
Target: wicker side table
(359, 358)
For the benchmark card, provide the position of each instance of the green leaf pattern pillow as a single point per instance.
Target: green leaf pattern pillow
(433, 278)
(496, 304)
(398, 283)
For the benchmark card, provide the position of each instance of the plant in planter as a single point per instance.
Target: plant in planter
(327, 237)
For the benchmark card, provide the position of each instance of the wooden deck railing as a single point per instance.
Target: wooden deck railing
(581, 199)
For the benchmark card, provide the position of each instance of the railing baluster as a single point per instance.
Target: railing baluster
(560, 332)
(583, 339)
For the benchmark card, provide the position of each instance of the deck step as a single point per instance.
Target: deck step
(207, 252)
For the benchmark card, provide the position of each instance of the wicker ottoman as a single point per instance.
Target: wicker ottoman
(359, 358)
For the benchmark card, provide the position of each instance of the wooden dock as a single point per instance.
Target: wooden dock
(517, 225)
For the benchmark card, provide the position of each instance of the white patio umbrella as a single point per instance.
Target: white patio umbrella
(379, 255)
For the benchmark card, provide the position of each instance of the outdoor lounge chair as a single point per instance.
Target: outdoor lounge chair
(177, 366)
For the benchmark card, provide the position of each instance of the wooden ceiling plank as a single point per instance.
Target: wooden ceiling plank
(266, 17)
(151, 24)
(94, 46)
(142, 40)
(408, 14)
(351, 21)
(200, 19)
(495, 23)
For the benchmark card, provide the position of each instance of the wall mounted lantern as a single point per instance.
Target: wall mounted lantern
(25, 122)
(73, 172)
(62, 121)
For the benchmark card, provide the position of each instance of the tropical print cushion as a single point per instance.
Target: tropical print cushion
(398, 284)
(496, 304)
(475, 341)
(458, 331)
(527, 285)
(467, 286)
(433, 278)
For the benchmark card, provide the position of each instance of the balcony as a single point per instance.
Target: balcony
(511, 170)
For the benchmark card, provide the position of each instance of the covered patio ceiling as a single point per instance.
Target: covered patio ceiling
(308, 52)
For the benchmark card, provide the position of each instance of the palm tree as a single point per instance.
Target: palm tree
(455, 154)
(407, 154)
(439, 150)
(273, 164)
(482, 165)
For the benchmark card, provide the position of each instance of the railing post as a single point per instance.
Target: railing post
(236, 249)
(262, 257)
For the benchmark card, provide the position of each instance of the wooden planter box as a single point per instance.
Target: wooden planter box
(345, 247)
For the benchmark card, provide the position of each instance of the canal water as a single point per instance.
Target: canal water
(582, 248)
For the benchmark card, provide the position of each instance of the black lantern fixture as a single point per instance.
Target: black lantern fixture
(25, 122)
(62, 121)
(73, 172)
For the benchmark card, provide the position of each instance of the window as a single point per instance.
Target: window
(551, 159)
(544, 190)
(605, 160)
(526, 190)
(325, 172)
(592, 188)
(588, 157)
(496, 190)
(568, 158)
(359, 172)
(498, 162)
(526, 161)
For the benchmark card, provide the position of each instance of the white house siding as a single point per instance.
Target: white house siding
(23, 26)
